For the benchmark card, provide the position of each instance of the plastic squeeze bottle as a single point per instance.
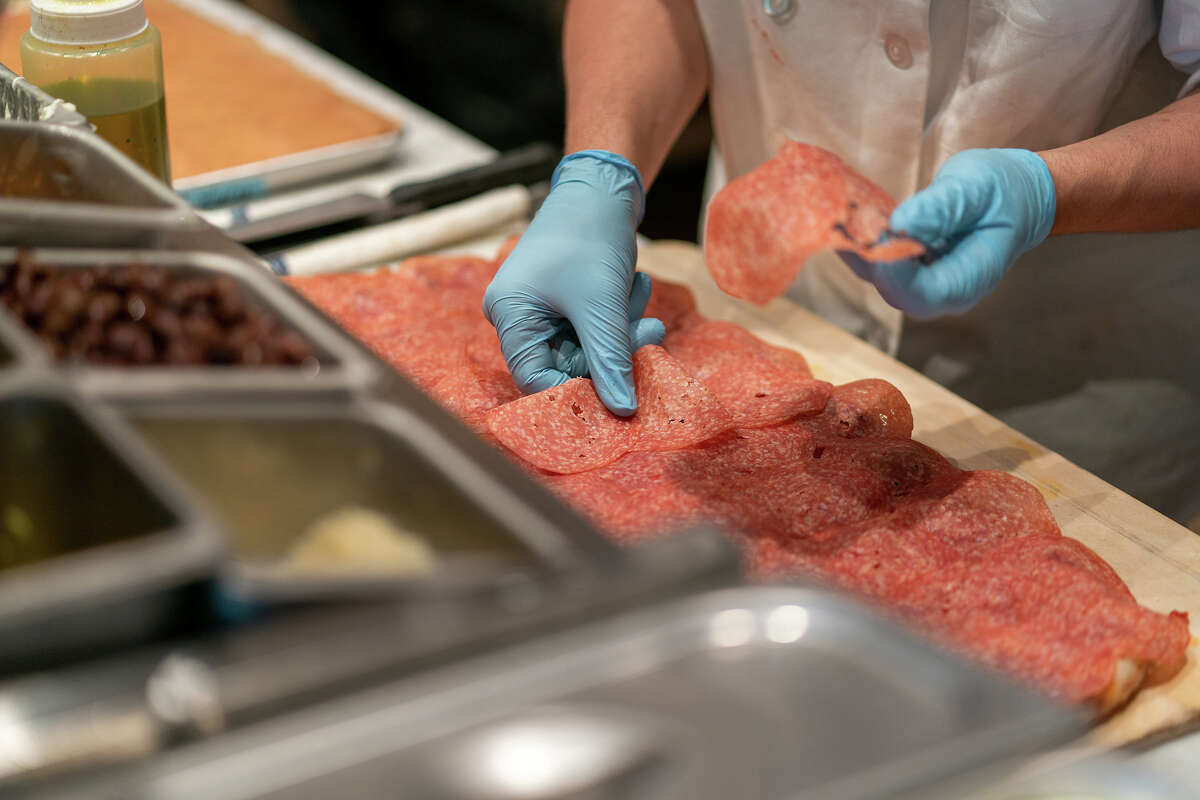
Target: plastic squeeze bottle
(106, 58)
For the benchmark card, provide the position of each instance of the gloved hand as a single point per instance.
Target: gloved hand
(567, 302)
(983, 209)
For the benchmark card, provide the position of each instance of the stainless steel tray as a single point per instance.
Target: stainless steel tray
(342, 364)
(259, 179)
(70, 188)
(269, 470)
(112, 712)
(1111, 776)
(762, 692)
(249, 181)
(99, 542)
(21, 100)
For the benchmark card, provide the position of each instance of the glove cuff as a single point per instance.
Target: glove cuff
(1043, 193)
(626, 179)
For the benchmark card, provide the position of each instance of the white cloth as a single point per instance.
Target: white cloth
(897, 86)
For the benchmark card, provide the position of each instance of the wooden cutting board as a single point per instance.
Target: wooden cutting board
(1158, 558)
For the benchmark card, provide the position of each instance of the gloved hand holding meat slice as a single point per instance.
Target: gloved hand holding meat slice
(985, 208)
(763, 226)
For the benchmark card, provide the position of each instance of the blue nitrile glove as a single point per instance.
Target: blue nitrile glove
(567, 302)
(983, 209)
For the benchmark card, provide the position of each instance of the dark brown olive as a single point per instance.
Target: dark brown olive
(138, 314)
(130, 342)
(165, 323)
(103, 306)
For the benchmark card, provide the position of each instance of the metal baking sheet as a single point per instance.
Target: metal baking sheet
(342, 365)
(270, 471)
(754, 693)
(70, 188)
(21, 100)
(261, 178)
(248, 181)
(96, 542)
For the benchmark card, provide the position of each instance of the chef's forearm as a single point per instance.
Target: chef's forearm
(1143, 176)
(636, 70)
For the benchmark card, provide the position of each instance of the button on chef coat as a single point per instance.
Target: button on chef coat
(897, 86)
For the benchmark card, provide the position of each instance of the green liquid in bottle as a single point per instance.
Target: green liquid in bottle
(131, 115)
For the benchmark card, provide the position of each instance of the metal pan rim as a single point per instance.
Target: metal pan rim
(188, 549)
(345, 366)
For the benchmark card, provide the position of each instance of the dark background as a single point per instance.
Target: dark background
(490, 67)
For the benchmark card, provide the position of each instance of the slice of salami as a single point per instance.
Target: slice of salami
(762, 397)
(764, 225)
(675, 410)
(638, 496)
(1045, 608)
(563, 430)
(870, 407)
(463, 276)
(868, 208)
(470, 389)
(759, 384)
(670, 303)
(781, 447)
(899, 466)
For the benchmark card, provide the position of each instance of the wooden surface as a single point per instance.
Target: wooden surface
(1157, 558)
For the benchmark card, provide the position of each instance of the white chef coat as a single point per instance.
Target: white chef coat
(1089, 343)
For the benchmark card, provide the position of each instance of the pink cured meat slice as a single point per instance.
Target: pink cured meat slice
(868, 209)
(670, 303)
(870, 407)
(471, 388)
(567, 430)
(956, 515)
(462, 277)
(641, 495)
(900, 466)
(483, 350)
(764, 225)
(759, 384)
(1050, 610)
(706, 346)
(675, 410)
(761, 398)
(564, 430)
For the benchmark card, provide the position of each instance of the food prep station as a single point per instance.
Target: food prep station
(157, 642)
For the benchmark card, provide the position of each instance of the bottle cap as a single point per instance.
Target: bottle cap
(84, 22)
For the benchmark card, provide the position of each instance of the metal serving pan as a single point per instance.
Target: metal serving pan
(270, 470)
(66, 187)
(21, 100)
(341, 366)
(97, 546)
(1109, 776)
(756, 692)
(96, 729)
